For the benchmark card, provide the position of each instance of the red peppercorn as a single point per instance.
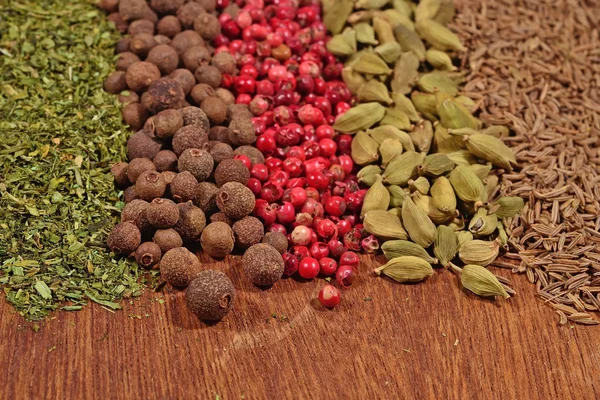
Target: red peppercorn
(350, 258)
(266, 144)
(328, 266)
(326, 228)
(370, 244)
(345, 275)
(327, 147)
(336, 248)
(291, 263)
(271, 192)
(286, 213)
(260, 172)
(293, 166)
(329, 296)
(335, 205)
(301, 252)
(273, 163)
(243, 99)
(309, 268)
(264, 211)
(254, 185)
(244, 159)
(301, 235)
(319, 250)
(298, 197)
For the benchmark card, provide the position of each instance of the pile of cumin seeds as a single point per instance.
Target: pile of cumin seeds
(535, 66)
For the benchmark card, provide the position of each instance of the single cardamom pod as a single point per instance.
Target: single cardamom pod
(352, 79)
(436, 164)
(389, 149)
(478, 252)
(438, 35)
(437, 81)
(403, 7)
(481, 281)
(396, 117)
(502, 236)
(396, 211)
(463, 237)
(383, 225)
(491, 187)
(462, 157)
(400, 248)
(457, 224)
(365, 33)
(418, 225)
(394, 17)
(467, 102)
(360, 117)
(410, 41)
(481, 170)
(498, 131)
(368, 174)
(364, 149)
(439, 60)
(383, 30)
(406, 269)
(421, 185)
(422, 136)
(509, 206)
(446, 13)
(491, 149)
(390, 52)
(376, 198)
(406, 73)
(467, 186)
(383, 132)
(334, 18)
(374, 91)
(445, 245)
(454, 115)
(463, 131)
(482, 223)
(404, 104)
(339, 46)
(444, 142)
(424, 103)
(360, 16)
(370, 4)
(427, 9)
(443, 196)
(397, 195)
(352, 59)
(402, 168)
(371, 63)
(426, 204)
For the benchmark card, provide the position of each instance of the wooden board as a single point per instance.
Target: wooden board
(426, 341)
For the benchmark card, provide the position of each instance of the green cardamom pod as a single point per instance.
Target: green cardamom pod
(396, 211)
(389, 149)
(426, 204)
(396, 117)
(422, 136)
(439, 60)
(383, 30)
(509, 206)
(406, 73)
(368, 174)
(421, 185)
(454, 115)
(371, 63)
(406, 269)
(478, 252)
(390, 52)
(467, 102)
(410, 41)
(383, 132)
(424, 103)
(502, 236)
(427, 9)
(491, 186)
(371, 4)
(443, 196)
(481, 282)
(340, 46)
(374, 91)
(400, 248)
(498, 131)
(402, 168)
(417, 223)
(438, 35)
(446, 13)
(404, 104)
(463, 131)
(334, 17)
(491, 149)
(403, 7)
(462, 157)
(364, 149)
(376, 198)
(397, 195)
(436, 164)
(360, 117)
(360, 16)
(365, 33)
(445, 245)
(463, 237)
(383, 225)
(352, 79)
(437, 81)
(444, 142)
(482, 223)
(467, 186)
(394, 17)
(481, 170)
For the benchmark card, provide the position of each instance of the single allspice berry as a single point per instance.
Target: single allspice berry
(210, 295)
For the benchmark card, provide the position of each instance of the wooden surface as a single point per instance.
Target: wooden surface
(426, 341)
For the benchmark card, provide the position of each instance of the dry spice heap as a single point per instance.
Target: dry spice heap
(535, 66)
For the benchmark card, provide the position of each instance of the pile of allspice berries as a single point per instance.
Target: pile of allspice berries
(182, 186)
(433, 170)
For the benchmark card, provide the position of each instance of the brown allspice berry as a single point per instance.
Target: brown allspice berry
(167, 239)
(186, 39)
(125, 60)
(217, 239)
(195, 116)
(185, 78)
(140, 26)
(252, 153)
(199, 162)
(183, 187)
(124, 238)
(166, 6)
(215, 109)
(277, 240)
(188, 12)
(119, 173)
(192, 222)
(164, 57)
(200, 92)
(235, 200)
(135, 115)
(120, 25)
(122, 45)
(167, 123)
(141, 145)
(130, 194)
(235, 111)
(221, 217)
(142, 43)
(206, 197)
(225, 95)
(148, 255)
(137, 166)
(162, 39)
(220, 151)
(115, 82)
(131, 10)
(128, 97)
(209, 75)
(195, 56)
(219, 133)
(140, 75)
(169, 26)
(168, 176)
(207, 26)
(150, 185)
(208, 5)
(231, 170)
(162, 213)
(165, 160)
(225, 63)
(263, 265)
(162, 94)
(242, 131)
(189, 137)
(248, 231)
(135, 211)
(210, 295)
(109, 6)
(179, 266)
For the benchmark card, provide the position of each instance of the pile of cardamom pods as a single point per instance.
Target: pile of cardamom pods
(431, 167)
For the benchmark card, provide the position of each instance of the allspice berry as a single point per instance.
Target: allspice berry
(217, 239)
(140, 26)
(135, 115)
(238, 111)
(186, 39)
(130, 194)
(140, 75)
(125, 60)
(150, 185)
(135, 211)
(198, 162)
(167, 239)
(215, 109)
(231, 170)
(169, 26)
(248, 231)
(141, 145)
(122, 45)
(208, 5)
(195, 116)
(209, 75)
(192, 222)
(124, 238)
(115, 82)
(207, 26)
(109, 6)
(167, 123)
(142, 43)
(162, 213)
(225, 95)
(200, 92)
(183, 187)
(148, 255)
(195, 56)
(166, 6)
(189, 137)
(235, 200)
(165, 160)
(130, 10)
(119, 173)
(137, 166)
(219, 134)
(164, 57)
(164, 93)
(185, 78)
(210, 295)
(263, 265)
(242, 131)
(162, 39)
(179, 266)
(220, 152)
(206, 197)
(252, 153)
(127, 97)
(225, 63)
(221, 217)
(277, 240)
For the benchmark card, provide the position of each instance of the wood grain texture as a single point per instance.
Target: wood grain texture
(425, 341)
